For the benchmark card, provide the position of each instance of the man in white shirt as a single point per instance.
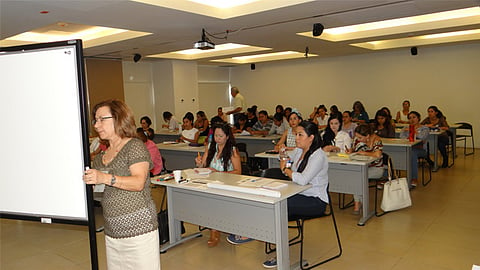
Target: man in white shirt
(239, 104)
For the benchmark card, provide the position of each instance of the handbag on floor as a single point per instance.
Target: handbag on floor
(396, 194)
(162, 217)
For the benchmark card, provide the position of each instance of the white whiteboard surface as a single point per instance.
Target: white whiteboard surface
(41, 141)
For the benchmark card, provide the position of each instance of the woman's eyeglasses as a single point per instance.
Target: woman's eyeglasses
(100, 119)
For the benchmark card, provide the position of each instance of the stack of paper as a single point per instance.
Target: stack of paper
(255, 191)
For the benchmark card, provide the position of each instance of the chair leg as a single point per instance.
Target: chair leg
(339, 243)
(341, 202)
(378, 214)
(269, 246)
(425, 163)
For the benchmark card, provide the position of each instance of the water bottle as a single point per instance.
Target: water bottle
(283, 155)
(411, 133)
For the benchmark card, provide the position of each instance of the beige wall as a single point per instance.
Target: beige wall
(445, 76)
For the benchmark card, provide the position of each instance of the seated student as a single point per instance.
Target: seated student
(278, 126)
(171, 121)
(215, 120)
(154, 154)
(347, 125)
(359, 114)
(334, 110)
(201, 123)
(382, 125)
(263, 125)
(387, 111)
(287, 112)
(334, 139)
(222, 115)
(436, 120)
(279, 109)
(252, 116)
(221, 156)
(146, 122)
(419, 150)
(369, 144)
(287, 140)
(310, 166)
(189, 133)
(402, 116)
(241, 125)
(319, 116)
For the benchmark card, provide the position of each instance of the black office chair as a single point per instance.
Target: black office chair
(244, 158)
(272, 173)
(466, 130)
(299, 238)
(426, 164)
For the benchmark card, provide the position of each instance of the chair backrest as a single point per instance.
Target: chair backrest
(273, 173)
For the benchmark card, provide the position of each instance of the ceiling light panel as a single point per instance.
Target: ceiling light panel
(90, 35)
(223, 9)
(439, 20)
(421, 40)
(263, 57)
(220, 50)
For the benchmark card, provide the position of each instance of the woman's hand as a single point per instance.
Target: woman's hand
(199, 161)
(279, 146)
(95, 177)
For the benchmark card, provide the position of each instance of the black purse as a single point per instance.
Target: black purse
(162, 217)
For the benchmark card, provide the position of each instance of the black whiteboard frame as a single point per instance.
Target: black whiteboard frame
(84, 116)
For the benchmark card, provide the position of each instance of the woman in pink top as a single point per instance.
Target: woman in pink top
(154, 154)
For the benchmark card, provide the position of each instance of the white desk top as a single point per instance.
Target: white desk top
(257, 137)
(180, 147)
(166, 131)
(233, 179)
(399, 142)
(332, 158)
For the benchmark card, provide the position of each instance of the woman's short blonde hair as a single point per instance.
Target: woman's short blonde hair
(124, 121)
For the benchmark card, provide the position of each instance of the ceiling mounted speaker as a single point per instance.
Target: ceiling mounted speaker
(414, 50)
(137, 57)
(252, 66)
(317, 29)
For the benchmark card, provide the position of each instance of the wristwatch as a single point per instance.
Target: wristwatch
(113, 180)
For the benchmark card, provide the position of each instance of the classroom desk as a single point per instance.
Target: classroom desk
(179, 156)
(400, 151)
(165, 135)
(260, 217)
(257, 144)
(344, 176)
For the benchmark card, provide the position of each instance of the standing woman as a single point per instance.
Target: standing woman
(367, 143)
(287, 140)
(402, 116)
(131, 234)
(436, 120)
(222, 156)
(335, 140)
(310, 166)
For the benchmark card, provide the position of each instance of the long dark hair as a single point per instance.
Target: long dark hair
(310, 129)
(329, 135)
(438, 113)
(388, 121)
(227, 151)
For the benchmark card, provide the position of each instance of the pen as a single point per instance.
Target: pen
(183, 181)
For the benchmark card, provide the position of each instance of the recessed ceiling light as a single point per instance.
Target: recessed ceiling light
(220, 50)
(439, 20)
(421, 40)
(90, 35)
(223, 3)
(263, 57)
(223, 9)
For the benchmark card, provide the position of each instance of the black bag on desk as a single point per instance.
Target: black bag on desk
(162, 217)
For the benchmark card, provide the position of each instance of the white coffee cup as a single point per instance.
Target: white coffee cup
(177, 174)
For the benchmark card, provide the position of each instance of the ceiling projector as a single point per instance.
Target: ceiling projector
(204, 45)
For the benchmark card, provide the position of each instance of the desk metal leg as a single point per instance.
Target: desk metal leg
(175, 230)
(281, 235)
(366, 200)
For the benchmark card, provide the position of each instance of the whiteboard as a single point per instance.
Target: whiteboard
(44, 133)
